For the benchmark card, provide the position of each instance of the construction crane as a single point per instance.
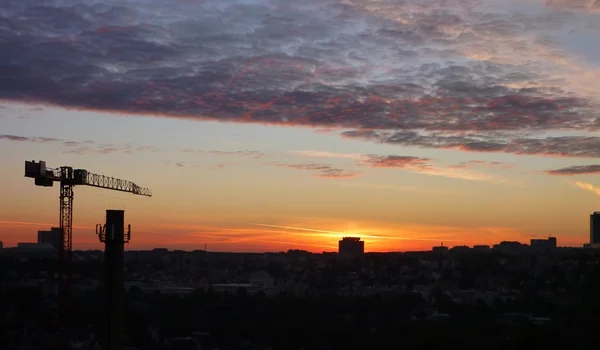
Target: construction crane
(68, 178)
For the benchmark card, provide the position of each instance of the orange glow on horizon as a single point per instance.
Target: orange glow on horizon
(265, 237)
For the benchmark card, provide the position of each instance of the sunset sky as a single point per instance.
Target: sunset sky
(268, 125)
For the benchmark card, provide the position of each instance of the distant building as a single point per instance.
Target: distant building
(460, 249)
(298, 252)
(351, 246)
(543, 245)
(510, 247)
(35, 246)
(481, 248)
(52, 237)
(1, 245)
(440, 249)
(595, 228)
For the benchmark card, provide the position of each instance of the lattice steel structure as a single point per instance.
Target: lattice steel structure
(68, 178)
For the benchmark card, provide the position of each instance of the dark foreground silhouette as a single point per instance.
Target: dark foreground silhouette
(242, 321)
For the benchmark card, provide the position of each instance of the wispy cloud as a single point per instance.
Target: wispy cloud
(482, 163)
(425, 166)
(198, 165)
(397, 162)
(396, 188)
(29, 139)
(365, 235)
(590, 6)
(460, 174)
(250, 154)
(323, 170)
(587, 187)
(575, 170)
(411, 163)
(81, 147)
(325, 154)
(421, 165)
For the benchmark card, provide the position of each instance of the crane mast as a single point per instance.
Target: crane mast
(64, 261)
(68, 178)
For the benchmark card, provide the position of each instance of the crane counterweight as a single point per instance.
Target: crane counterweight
(68, 178)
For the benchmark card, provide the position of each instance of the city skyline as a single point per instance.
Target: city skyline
(266, 125)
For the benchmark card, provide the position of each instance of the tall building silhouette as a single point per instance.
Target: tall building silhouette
(542, 245)
(52, 237)
(595, 228)
(351, 246)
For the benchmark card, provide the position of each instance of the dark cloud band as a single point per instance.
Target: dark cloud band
(575, 170)
(323, 64)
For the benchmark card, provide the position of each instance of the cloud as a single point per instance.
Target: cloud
(558, 146)
(323, 170)
(28, 139)
(460, 174)
(587, 187)
(93, 148)
(411, 163)
(424, 166)
(416, 164)
(97, 149)
(443, 71)
(81, 147)
(399, 162)
(480, 163)
(250, 154)
(395, 188)
(325, 154)
(590, 6)
(501, 165)
(575, 170)
(193, 165)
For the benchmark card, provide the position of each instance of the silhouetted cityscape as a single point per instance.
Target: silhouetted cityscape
(204, 300)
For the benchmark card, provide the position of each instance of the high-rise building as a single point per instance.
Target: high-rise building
(595, 228)
(1, 245)
(351, 246)
(543, 245)
(52, 237)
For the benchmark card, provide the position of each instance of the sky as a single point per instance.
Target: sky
(268, 125)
